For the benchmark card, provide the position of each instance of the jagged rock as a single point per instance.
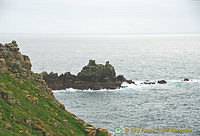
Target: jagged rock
(130, 81)
(162, 82)
(97, 72)
(19, 77)
(120, 78)
(14, 43)
(147, 82)
(186, 79)
(13, 62)
(92, 76)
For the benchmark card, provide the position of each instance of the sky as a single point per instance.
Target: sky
(100, 16)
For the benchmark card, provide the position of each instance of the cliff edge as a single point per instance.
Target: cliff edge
(27, 105)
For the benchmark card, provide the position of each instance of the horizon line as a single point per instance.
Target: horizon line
(104, 33)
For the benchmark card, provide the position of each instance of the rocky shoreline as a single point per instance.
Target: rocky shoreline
(27, 104)
(93, 76)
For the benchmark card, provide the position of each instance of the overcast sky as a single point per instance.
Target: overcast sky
(99, 16)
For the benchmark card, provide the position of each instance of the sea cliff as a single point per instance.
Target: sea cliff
(92, 76)
(27, 104)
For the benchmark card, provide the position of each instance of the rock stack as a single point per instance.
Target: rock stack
(92, 76)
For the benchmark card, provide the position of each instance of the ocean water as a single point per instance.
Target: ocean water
(138, 57)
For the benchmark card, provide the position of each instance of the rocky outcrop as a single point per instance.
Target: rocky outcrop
(186, 79)
(26, 100)
(92, 76)
(147, 82)
(14, 63)
(162, 82)
(12, 60)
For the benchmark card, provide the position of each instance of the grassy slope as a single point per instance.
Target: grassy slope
(46, 117)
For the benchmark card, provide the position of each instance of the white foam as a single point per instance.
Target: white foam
(89, 90)
(137, 85)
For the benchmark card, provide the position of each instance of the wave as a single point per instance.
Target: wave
(89, 90)
(138, 84)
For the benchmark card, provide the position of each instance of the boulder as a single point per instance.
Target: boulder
(14, 43)
(162, 82)
(186, 79)
(120, 78)
(147, 82)
(130, 81)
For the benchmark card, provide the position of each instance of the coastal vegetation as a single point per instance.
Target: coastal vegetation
(27, 104)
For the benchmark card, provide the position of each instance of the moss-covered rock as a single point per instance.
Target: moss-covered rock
(97, 72)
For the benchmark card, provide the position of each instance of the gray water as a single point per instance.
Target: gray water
(137, 57)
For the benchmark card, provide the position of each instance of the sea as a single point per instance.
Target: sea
(136, 110)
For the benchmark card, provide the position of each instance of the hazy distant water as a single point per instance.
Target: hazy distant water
(175, 105)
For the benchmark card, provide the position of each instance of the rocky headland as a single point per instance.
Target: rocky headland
(92, 76)
(27, 104)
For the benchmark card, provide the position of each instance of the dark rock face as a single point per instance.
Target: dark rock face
(186, 79)
(56, 82)
(147, 82)
(93, 76)
(97, 72)
(162, 82)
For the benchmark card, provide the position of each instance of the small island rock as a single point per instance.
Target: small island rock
(92, 76)
(186, 79)
(162, 82)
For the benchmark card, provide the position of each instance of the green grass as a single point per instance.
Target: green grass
(43, 116)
